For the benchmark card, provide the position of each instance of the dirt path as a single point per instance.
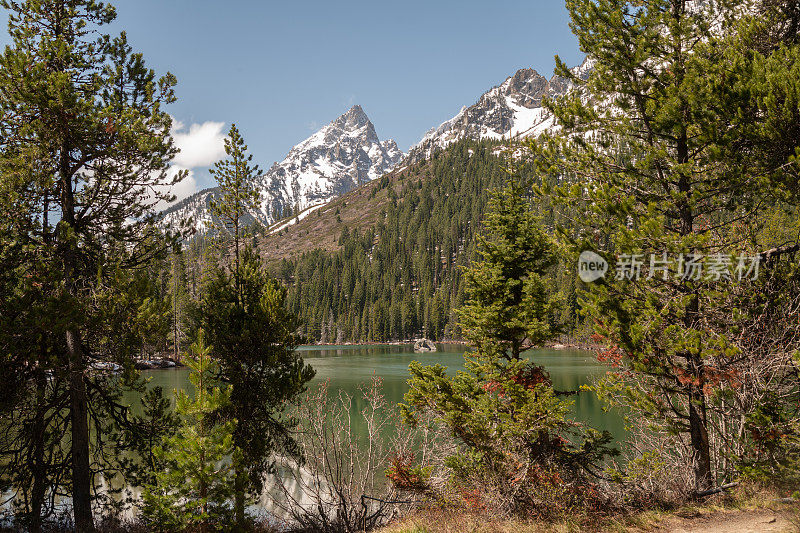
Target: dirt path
(764, 521)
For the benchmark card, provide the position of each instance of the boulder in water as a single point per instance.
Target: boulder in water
(424, 345)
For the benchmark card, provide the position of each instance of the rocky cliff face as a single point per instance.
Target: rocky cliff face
(510, 110)
(348, 152)
(339, 157)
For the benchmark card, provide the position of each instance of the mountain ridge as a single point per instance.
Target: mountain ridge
(347, 152)
(510, 110)
(340, 156)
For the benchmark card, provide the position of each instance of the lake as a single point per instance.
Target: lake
(348, 366)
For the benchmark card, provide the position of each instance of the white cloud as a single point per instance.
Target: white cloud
(186, 187)
(183, 189)
(201, 146)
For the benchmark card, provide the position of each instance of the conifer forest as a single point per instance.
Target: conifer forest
(574, 306)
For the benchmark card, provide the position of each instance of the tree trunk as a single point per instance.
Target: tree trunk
(698, 431)
(240, 485)
(38, 468)
(237, 273)
(79, 402)
(79, 417)
(203, 492)
(701, 455)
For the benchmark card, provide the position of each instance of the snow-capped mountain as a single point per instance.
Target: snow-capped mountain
(193, 212)
(339, 157)
(512, 109)
(347, 152)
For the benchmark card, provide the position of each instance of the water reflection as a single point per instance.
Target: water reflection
(349, 366)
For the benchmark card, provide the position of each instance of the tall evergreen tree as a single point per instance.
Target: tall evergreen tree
(30, 448)
(254, 335)
(239, 192)
(515, 433)
(670, 150)
(255, 340)
(195, 487)
(509, 309)
(86, 144)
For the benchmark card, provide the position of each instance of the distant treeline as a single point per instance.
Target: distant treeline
(402, 278)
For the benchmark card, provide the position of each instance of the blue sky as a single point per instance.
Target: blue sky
(281, 70)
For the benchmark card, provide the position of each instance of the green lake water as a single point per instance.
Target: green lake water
(349, 366)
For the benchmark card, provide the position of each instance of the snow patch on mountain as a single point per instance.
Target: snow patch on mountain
(294, 220)
(339, 157)
(512, 109)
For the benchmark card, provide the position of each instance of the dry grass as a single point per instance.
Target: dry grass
(736, 506)
(359, 209)
(454, 522)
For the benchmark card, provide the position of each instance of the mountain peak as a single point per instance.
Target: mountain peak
(356, 110)
(344, 154)
(523, 76)
(509, 110)
(339, 157)
(526, 87)
(354, 118)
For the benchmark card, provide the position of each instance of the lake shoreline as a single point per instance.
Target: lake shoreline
(574, 345)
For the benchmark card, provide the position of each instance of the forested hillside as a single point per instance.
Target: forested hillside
(384, 262)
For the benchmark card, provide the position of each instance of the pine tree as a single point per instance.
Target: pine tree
(86, 144)
(255, 338)
(239, 193)
(196, 486)
(509, 305)
(253, 334)
(28, 445)
(516, 434)
(156, 423)
(678, 137)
